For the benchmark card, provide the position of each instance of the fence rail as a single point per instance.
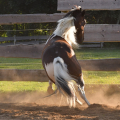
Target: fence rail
(93, 33)
(102, 33)
(66, 5)
(27, 39)
(29, 18)
(23, 37)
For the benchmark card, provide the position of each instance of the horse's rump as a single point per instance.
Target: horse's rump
(60, 48)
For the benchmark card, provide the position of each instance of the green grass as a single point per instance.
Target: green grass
(90, 77)
(20, 86)
(101, 77)
(20, 63)
(97, 53)
(27, 63)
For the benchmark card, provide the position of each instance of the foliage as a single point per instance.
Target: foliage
(27, 7)
(103, 17)
(111, 45)
(27, 29)
(48, 7)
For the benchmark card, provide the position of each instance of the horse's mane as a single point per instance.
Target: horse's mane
(66, 29)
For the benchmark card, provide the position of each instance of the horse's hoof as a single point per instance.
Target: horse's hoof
(50, 90)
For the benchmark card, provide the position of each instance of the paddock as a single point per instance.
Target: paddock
(104, 98)
(105, 105)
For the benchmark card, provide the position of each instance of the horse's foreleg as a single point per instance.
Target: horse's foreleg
(50, 89)
(82, 94)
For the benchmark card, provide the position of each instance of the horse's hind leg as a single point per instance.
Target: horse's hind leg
(82, 94)
(50, 89)
(78, 101)
(71, 101)
(81, 90)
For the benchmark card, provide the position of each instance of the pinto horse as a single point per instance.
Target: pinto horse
(58, 57)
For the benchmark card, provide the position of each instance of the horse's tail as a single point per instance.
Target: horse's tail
(63, 79)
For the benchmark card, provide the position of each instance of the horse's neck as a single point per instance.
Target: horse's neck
(54, 38)
(50, 38)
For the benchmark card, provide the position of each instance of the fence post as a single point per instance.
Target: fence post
(101, 44)
(14, 39)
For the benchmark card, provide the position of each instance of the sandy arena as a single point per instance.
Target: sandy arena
(105, 105)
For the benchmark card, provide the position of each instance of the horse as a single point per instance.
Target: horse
(58, 56)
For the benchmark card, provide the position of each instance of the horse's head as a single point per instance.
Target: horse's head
(79, 22)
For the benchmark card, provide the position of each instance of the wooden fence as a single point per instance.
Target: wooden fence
(93, 33)
(66, 5)
(40, 75)
(29, 18)
(97, 33)
(29, 40)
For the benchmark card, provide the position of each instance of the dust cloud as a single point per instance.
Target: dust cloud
(96, 95)
(33, 106)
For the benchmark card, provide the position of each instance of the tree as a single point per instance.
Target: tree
(27, 7)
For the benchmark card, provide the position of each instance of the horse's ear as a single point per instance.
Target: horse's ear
(83, 13)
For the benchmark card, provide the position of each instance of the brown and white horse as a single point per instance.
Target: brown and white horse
(59, 59)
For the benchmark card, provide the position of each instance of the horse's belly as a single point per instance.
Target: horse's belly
(50, 71)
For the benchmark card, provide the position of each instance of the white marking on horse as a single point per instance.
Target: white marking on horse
(67, 30)
(61, 70)
(50, 71)
(72, 52)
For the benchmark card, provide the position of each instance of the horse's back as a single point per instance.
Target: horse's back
(60, 48)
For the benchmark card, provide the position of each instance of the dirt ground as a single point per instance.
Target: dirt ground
(105, 105)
